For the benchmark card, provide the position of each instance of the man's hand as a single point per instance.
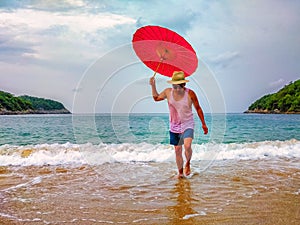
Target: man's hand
(152, 81)
(205, 129)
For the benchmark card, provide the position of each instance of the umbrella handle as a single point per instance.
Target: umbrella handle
(157, 67)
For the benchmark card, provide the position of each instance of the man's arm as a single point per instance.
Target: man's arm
(199, 110)
(156, 96)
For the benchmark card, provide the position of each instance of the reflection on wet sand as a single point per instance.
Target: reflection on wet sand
(183, 208)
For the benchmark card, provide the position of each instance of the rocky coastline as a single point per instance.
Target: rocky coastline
(265, 111)
(26, 112)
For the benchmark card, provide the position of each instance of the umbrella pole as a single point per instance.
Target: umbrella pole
(157, 67)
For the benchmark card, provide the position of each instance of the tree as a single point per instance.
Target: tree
(286, 99)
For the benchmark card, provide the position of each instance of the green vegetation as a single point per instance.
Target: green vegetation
(10, 104)
(42, 104)
(286, 100)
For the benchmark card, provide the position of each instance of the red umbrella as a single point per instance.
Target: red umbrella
(164, 51)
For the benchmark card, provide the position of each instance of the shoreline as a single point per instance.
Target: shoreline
(264, 111)
(28, 112)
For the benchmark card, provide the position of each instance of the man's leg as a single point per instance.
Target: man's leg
(179, 160)
(188, 155)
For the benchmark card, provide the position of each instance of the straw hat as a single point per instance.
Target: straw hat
(178, 78)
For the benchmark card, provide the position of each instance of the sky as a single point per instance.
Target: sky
(79, 52)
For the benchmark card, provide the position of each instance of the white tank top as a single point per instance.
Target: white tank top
(181, 114)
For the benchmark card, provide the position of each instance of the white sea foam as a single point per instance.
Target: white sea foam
(75, 154)
(188, 216)
(34, 181)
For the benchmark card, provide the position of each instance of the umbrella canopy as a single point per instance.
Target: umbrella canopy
(164, 51)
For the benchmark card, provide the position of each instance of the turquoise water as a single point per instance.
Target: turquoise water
(138, 128)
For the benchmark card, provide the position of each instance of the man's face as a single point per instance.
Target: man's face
(178, 87)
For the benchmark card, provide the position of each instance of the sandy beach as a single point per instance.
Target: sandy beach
(228, 192)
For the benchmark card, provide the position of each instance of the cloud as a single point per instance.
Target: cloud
(176, 15)
(80, 22)
(277, 83)
(78, 89)
(224, 59)
(35, 33)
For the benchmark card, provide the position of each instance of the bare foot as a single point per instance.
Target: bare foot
(179, 176)
(180, 173)
(187, 170)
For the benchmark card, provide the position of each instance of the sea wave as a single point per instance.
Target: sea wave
(78, 154)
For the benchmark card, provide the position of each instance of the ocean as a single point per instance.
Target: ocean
(120, 169)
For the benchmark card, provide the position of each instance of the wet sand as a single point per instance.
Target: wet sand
(228, 192)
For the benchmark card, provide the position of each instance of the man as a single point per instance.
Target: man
(180, 101)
